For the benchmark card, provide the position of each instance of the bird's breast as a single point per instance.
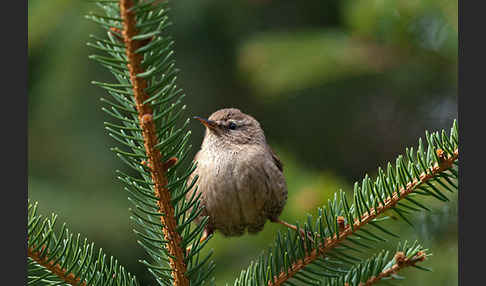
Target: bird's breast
(233, 191)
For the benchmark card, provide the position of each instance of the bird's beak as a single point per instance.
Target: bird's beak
(206, 122)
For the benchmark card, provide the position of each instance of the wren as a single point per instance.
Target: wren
(241, 179)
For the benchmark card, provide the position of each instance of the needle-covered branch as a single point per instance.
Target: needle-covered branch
(148, 128)
(55, 269)
(401, 262)
(368, 216)
(381, 267)
(148, 106)
(342, 226)
(55, 257)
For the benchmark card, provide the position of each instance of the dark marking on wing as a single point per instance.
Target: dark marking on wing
(276, 160)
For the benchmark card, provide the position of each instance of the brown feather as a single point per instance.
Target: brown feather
(276, 159)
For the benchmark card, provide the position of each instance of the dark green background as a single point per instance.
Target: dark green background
(340, 87)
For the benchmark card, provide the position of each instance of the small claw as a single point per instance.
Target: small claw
(170, 162)
(203, 238)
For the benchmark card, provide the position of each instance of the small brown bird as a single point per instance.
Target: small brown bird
(241, 179)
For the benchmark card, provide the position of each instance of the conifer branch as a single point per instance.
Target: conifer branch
(148, 107)
(56, 269)
(55, 258)
(155, 160)
(401, 262)
(445, 163)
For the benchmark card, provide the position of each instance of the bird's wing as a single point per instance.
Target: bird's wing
(276, 159)
(276, 187)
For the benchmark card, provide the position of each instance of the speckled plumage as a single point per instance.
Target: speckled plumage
(240, 178)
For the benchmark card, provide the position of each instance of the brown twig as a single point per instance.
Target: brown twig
(155, 160)
(330, 243)
(55, 269)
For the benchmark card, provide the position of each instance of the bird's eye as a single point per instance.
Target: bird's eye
(232, 126)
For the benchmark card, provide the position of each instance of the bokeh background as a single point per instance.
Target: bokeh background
(340, 87)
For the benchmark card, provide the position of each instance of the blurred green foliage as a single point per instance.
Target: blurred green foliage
(340, 88)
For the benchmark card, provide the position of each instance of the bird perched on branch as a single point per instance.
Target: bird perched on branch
(241, 179)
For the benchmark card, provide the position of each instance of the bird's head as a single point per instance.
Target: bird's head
(231, 126)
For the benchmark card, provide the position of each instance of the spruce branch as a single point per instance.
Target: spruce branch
(342, 228)
(331, 243)
(148, 106)
(59, 257)
(401, 262)
(156, 161)
(380, 267)
(56, 269)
